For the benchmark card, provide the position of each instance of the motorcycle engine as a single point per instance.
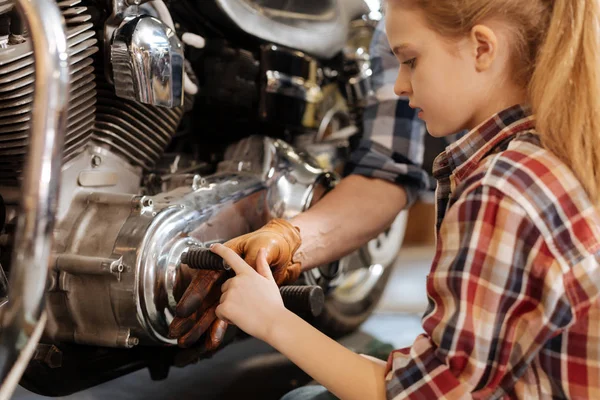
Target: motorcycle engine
(115, 273)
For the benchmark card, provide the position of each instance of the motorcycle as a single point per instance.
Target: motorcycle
(134, 130)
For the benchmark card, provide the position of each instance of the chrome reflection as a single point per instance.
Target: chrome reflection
(147, 62)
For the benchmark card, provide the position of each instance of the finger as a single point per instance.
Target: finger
(262, 266)
(280, 275)
(231, 258)
(219, 312)
(197, 291)
(216, 335)
(288, 275)
(272, 254)
(226, 286)
(223, 298)
(181, 325)
(199, 328)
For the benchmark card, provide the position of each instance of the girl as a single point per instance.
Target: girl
(513, 289)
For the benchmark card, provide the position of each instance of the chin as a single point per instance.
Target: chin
(435, 131)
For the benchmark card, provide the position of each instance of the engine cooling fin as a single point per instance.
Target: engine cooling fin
(6, 5)
(138, 132)
(17, 75)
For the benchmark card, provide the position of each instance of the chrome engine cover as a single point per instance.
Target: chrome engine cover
(116, 274)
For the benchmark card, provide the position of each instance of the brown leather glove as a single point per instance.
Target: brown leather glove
(195, 311)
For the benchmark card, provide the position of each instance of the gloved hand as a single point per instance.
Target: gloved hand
(195, 312)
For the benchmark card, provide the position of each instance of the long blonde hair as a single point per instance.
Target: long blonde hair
(556, 53)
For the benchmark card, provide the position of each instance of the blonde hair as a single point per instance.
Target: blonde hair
(556, 52)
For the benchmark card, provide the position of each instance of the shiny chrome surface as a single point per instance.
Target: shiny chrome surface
(294, 90)
(117, 276)
(317, 27)
(227, 206)
(358, 85)
(291, 73)
(295, 178)
(293, 86)
(147, 62)
(117, 270)
(41, 183)
(135, 131)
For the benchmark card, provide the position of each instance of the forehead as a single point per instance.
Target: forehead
(405, 24)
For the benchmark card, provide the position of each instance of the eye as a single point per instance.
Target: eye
(410, 63)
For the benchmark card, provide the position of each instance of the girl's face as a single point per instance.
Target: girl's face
(455, 83)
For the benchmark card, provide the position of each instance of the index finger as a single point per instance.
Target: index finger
(231, 258)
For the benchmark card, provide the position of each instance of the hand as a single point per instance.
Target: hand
(280, 239)
(205, 289)
(195, 310)
(250, 300)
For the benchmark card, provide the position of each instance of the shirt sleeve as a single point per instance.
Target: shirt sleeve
(496, 296)
(393, 142)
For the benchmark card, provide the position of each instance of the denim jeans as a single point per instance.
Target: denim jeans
(309, 393)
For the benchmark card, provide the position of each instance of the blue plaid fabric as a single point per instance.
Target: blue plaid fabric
(395, 144)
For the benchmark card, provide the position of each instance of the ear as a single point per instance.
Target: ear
(484, 44)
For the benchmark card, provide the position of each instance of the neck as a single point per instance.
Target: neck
(503, 98)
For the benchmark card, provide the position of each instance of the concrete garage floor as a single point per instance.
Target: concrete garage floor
(251, 369)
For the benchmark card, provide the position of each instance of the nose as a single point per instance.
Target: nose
(402, 87)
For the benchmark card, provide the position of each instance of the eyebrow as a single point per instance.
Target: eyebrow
(400, 48)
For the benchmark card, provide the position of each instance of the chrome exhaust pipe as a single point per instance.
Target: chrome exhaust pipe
(22, 316)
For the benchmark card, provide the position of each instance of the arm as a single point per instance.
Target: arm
(343, 372)
(355, 211)
(385, 171)
(251, 300)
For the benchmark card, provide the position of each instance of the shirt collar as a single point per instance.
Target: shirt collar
(463, 156)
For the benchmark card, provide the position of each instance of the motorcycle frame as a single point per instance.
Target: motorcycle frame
(22, 317)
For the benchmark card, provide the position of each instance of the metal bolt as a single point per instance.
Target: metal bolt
(132, 341)
(147, 202)
(96, 161)
(117, 268)
(198, 182)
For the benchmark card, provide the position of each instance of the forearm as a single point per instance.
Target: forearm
(358, 209)
(343, 372)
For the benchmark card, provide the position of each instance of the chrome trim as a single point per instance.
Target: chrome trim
(41, 183)
(359, 88)
(322, 38)
(147, 62)
(293, 86)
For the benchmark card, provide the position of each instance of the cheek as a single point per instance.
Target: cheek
(444, 99)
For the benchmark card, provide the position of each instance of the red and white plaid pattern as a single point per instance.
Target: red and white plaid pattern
(513, 290)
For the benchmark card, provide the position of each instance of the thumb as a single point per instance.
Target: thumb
(262, 266)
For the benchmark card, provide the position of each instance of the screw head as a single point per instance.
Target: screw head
(96, 161)
(147, 202)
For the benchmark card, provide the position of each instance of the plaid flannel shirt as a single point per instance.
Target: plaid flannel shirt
(395, 145)
(513, 289)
